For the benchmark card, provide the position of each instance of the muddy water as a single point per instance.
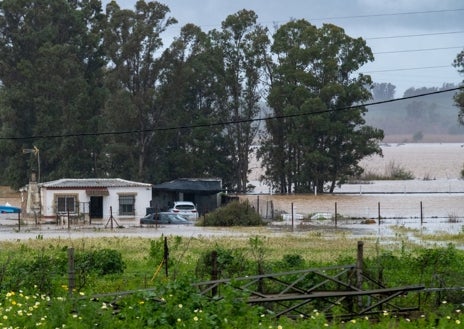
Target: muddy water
(436, 192)
(424, 160)
(435, 203)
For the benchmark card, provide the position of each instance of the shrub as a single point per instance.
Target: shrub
(233, 214)
(393, 171)
(396, 172)
(102, 262)
(39, 271)
(230, 263)
(293, 261)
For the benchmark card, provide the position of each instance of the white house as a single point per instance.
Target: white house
(92, 198)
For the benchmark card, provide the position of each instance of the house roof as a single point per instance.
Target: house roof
(199, 185)
(89, 183)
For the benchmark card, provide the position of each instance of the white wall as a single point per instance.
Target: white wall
(142, 201)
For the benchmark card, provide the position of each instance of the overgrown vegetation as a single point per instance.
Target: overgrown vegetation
(115, 265)
(235, 213)
(393, 171)
(39, 270)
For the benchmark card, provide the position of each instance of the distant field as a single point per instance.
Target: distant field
(425, 139)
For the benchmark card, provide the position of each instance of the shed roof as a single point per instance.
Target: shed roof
(92, 183)
(200, 185)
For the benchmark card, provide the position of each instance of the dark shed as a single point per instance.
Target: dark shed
(204, 192)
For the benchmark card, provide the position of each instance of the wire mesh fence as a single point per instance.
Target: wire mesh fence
(400, 208)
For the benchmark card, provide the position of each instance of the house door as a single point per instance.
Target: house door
(96, 207)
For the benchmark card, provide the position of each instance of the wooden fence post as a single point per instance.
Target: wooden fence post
(336, 215)
(272, 210)
(214, 271)
(166, 255)
(292, 216)
(71, 272)
(257, 205)
(359, 264)
(111, 217)
(421, 214)
(359, 269)
(378, 211)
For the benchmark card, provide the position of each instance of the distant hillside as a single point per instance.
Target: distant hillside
(425, 119)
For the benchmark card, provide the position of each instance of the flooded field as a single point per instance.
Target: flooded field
(426, 161)
(432, 202)
(436, 194)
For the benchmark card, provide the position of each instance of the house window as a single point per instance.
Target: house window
(66, 203)
(126, 205)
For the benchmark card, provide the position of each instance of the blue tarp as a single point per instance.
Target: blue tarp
(9, 210)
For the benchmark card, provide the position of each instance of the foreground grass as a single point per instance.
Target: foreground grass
(172, 302)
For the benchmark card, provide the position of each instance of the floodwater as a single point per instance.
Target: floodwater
(431, 202)
(434, 197)
(9, 230)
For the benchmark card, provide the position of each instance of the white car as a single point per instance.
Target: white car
(186, 209)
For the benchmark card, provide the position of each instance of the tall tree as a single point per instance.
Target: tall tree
(459, 97)
(319, 135)
(50, 69)
(131, 40)
(383, 91)
(244, 46)
(192, 92)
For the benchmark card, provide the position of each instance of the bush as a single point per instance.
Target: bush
(393, 171)
(230, 263)
(39, 271)
(102, 262)
(396, 172)
(233, 214)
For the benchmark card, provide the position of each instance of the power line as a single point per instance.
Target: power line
(373, 15)
(392, 14)
(309, 19)
(360, 105)
(416, 50)
(409, 69)
(413, 35)
(225, 123)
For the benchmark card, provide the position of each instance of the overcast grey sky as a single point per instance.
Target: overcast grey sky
(414, 41)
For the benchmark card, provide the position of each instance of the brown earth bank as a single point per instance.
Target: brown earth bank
(8, 195)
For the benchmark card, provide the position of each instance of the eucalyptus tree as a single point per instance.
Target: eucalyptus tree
(132, 40)
(50, 71)
(192, 92)
(459, 97)
(319, 134)
(383, 91)
(243, 44)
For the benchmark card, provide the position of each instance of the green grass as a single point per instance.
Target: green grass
(172, 301)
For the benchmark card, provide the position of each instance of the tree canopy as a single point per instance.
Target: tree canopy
(459, 97)
(100, 95)
(322, 134)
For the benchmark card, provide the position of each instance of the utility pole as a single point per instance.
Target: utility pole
(36, 152)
